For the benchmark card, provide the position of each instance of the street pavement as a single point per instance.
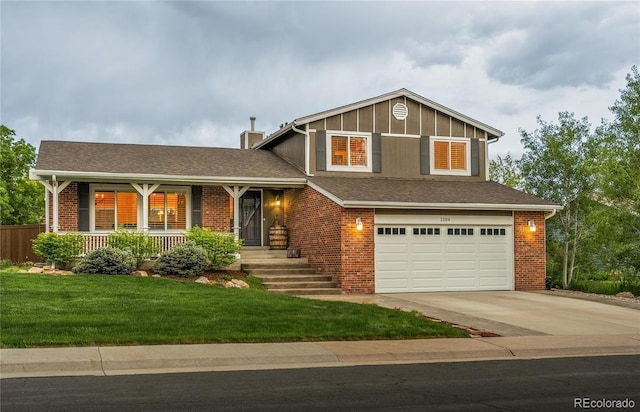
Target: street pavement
(530, 325)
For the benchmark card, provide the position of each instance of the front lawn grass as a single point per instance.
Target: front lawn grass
(88, 310)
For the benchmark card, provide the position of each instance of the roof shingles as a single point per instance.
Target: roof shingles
(136, 159)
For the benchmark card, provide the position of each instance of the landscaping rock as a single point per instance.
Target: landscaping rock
(240, 283)
(625, 295)
(156, 276)
(140, 273)
(202, 280)
(35, 270)
(230, 284)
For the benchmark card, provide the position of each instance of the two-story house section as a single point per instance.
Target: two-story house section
(389, 194)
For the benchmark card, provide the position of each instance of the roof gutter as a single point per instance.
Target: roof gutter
(35, 174)
(454, 206)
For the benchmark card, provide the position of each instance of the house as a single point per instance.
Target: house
(389, 194)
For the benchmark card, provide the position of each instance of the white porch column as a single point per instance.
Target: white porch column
(236, 193)
(54, 188)
(145, 190)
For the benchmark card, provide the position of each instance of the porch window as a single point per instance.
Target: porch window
(167, 211)
(450, 156)
(349, 152)
(115, 209)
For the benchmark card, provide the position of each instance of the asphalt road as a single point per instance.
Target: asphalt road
(515, 385)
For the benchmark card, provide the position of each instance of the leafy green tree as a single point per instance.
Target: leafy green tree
(21, 200)
(554, 167)
(506, 170)
(617, 172)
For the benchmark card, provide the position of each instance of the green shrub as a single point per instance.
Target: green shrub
(59, 249)
(630, 283)
(598, 275)
(140, 244)
(5, 263)
(602, 287)
(107, 261)
(185, 260)
(220, 247)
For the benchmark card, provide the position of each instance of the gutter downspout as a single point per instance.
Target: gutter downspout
(307, 148)
(553, 213)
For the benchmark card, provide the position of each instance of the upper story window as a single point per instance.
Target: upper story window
(450, 156)
(349, 152)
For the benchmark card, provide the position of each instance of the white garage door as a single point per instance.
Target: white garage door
(431, 253)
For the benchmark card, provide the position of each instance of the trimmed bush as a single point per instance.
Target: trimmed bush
(140, 244)
(220, 247)
(186, 260)
(107, 261)
(58, 249)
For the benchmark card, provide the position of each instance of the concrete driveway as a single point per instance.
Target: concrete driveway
(511, 313)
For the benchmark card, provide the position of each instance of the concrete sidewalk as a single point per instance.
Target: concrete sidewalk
(119, 360)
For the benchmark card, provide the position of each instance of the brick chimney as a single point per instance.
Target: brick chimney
(248, 138)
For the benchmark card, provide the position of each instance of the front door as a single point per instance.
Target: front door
(251, 218)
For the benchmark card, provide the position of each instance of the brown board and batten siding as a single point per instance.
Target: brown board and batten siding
(292, 150)
(400, 154)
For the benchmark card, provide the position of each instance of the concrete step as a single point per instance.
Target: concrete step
(263, 254)
(307, 270)
(304, 292)
(272, 286)
(275, 264)
(294, 278)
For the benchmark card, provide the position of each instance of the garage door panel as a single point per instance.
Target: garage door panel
(427, 258)
(433, 248)
(495, 281)
(460, 247)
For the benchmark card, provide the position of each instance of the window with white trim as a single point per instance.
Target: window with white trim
(349, 151)
(450, 156)
(167, 210)
(115, 209)
(121, 207)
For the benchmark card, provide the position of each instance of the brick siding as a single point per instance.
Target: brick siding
(529, 251)
(326, 234)
(216, 214)
(67, 209)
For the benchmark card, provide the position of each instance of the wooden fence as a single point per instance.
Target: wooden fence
(15, 242)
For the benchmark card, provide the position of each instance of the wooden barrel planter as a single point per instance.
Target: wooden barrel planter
(278, 237)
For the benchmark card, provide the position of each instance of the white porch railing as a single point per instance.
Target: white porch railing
(166, 241)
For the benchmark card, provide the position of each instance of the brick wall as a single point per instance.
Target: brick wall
(216, 214)
(314, 228)
(326, 234)
(357, 252)
(67, 209)
(529, 251)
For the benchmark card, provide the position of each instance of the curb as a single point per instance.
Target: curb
(124, 360)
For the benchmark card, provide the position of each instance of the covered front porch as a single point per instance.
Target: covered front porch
(164, 210)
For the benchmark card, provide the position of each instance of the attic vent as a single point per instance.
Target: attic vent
(400, 111)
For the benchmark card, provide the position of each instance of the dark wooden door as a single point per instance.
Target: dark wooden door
(251, 218)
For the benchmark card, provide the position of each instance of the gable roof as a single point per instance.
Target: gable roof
(107, 161)
(363, 103)
(425, 194)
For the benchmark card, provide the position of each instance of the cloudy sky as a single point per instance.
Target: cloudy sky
(191, 73)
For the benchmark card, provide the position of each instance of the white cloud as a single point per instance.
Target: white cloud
(193, 72)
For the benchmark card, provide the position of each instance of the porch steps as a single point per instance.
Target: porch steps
(291, 276)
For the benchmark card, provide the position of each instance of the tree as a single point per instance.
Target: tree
(554, 167)
(617, 173)
(506, 170)
(21, 200)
